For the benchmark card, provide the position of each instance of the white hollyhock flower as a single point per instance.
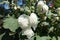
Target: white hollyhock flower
(44, 1)
(42, 7)
(23, 21)
(45, 9)
(28, 21)
(33, 20)
(40, 3)
(28, 32)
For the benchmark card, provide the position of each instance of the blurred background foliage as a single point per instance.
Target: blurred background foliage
(56, 3)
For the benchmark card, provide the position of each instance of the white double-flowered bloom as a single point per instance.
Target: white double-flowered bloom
(41, 6)
(26, 22)
(23, 21)
(28, 32)
(33, 20)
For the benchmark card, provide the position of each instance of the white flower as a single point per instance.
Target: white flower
(45, 9)
(44, 1)
(28, 21)
(40, 3)
(28, 32)
(42, 7)
(33, 20)
(23, 21)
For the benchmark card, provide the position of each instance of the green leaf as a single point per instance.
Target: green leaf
(43, 38)
(21, 9)
(49, 14)
(58, 38)
(27, 10)
(53, 38)
(57, 3)
(2, 35)
(32, 8)
(11, 23)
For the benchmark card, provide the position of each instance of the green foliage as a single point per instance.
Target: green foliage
(11, 23)
(32, 8)
(58, 38)
(49, 14)
(53, 38)
(2, 35)
(43, 38)
(27, 10)
(57, 3)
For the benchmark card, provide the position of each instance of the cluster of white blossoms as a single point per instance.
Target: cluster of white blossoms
(26, 22)
(41, 6)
